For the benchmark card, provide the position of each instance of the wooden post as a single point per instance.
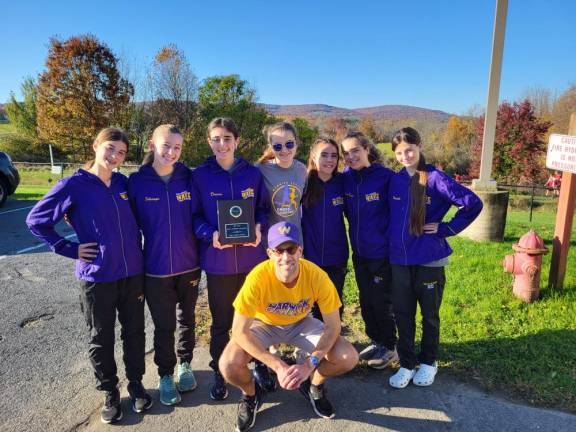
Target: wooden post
(564, 217)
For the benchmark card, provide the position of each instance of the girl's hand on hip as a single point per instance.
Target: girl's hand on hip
(87, 252)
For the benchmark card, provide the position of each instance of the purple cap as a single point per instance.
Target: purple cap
(282, 232)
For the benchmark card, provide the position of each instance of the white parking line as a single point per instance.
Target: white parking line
(15, 210)
(31, 248)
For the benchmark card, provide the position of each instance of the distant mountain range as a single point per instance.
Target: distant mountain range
(389, 112)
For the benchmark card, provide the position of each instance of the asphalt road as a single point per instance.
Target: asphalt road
(46, 383)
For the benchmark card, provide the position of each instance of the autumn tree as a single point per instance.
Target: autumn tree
(367, 127)
(173, 89)
(80, 93)
(518, 144)
(565, 105)
(454, 153)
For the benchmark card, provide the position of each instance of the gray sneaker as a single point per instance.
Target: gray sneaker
(368, 352)
(382, 358)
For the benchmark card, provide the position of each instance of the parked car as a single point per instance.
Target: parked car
(9, 177)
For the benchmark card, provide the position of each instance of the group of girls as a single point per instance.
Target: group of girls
(398, 245)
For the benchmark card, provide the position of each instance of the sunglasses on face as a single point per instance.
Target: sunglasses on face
(290, 249)
(278, 147)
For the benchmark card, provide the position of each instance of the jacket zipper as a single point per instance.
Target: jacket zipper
(403, 231)
(323, 220)
(235, 246)
(169, 228)
(121, 236)
(358, 214)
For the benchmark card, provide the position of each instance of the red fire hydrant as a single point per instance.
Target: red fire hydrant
(525, 265)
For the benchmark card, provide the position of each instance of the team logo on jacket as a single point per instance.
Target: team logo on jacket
(336, 201)
(374, 196)
(288, 308)
(247, 193)
(124, 195)
(286, 199)
(183, 196)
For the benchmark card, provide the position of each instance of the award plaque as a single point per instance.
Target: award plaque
(236, 221)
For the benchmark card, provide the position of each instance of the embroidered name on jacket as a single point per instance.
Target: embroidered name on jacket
(151, 199)
(287, 308)
(124, 195)
(336, 201)
(374, 196)
(247, 193)
(216, 194)
(183, 196)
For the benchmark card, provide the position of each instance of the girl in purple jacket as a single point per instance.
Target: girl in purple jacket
(366, 201)
(419, 197)
(224, 177)
(323, 229)
(108, 263)
(160, 193)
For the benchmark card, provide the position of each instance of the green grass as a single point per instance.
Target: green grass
(29, 193)
(526, 351)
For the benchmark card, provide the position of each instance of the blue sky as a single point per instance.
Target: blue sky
(432, 54)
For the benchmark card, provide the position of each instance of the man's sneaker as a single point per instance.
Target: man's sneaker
(317, 397)
(368, 352)
(168, 392)
(219, 391)
(263, 377)
(247, 409)
(111, 411)
(383, 357)
(186, 380)
(141, 401)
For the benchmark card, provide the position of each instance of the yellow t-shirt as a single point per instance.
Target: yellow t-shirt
(265, 298)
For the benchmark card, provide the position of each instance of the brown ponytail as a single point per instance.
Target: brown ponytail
(108, 134)
(418, 182)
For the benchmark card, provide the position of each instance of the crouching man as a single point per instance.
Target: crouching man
(273, 307)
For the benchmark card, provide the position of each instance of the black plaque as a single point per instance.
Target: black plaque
(236, 221)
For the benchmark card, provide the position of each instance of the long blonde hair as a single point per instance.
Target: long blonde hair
(283, 126)
(162, 130)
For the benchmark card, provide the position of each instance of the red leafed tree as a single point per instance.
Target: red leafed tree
(519, 148)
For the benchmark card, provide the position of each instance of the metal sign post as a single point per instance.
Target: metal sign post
(562, 157)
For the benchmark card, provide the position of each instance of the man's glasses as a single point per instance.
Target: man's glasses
(290, 249)
(278, 147)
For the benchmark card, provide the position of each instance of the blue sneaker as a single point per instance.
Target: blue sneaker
(186, 380)
(168, 393)
(382, 358)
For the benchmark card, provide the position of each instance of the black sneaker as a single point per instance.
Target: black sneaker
(317, 397)
(247, 409)
(141, 401)
(111, 411)
(263, 377)
(219, 391)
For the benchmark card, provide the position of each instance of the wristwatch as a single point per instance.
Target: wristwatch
(315, 361)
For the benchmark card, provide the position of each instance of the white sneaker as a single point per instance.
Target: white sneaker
(401, 378)
(425, 375)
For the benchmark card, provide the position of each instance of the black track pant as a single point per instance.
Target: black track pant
(173, 299)
(421, 285)
(99, 302)
(337, 275)
(222, 290)
(373, 279)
